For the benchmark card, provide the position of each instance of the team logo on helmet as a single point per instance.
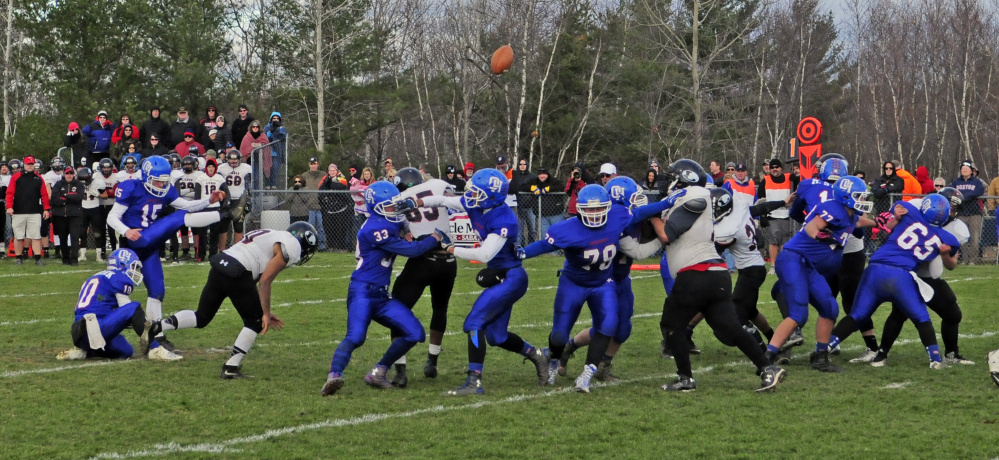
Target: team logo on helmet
(495, 184)
(925, 205)
(369, 195)
(845, 186)
(617, 192)
(147, 167)
(689, 176)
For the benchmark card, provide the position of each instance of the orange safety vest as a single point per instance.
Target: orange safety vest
(748, 189)
(769, 183)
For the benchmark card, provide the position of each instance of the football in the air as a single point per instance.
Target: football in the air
(502, 59)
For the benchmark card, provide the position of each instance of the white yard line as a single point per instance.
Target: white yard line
(228, 445)
(64, 368)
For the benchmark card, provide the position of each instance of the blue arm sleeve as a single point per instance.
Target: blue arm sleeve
(641, 213)
(409, 248)
(539, 247)
(797, 210)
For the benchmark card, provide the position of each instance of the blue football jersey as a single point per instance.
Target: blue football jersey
(378, 242)
(99, 293)
(839, 224)
(502, 221)
(810, 193)
(143, 207)
(912, 241)
(589, 252)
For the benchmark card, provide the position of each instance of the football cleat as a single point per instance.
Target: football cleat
(540, 364)
(604, 373)
(880, 359)
(955, 358)
(554, 368)
(682, 384)
(376, 378)
(400, 380)
(567, 353)
(232, 372)
(664, 350)
(938, 365)
(582, 384)
(770, 377)
(796, 339)
(430, 369)
(472, 386)
(333, 384)
(73, 354)
(820, 362)
(835, 351)
(162, 354)
(163, 340)
(867, 357)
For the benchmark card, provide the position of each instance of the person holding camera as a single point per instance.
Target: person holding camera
(577, 180)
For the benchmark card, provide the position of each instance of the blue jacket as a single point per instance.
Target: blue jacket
(275, 134)
(98, 136)
(971, 188)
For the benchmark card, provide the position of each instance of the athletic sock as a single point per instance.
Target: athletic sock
(820, 347)
(934, 352)
(154, 310)
(772, 349)
(243, 343)
(395, 351)
(184, 319)
(201, 219)
(871, 342)
(476, 350)
(401, 362)
(38, 257)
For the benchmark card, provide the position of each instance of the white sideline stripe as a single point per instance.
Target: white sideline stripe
(224, 446)
(30, 321)
(896, 386)
(64, 368)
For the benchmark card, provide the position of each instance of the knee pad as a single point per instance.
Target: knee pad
(356, 341)
(799, 315)
(623, 331)
(496, 338)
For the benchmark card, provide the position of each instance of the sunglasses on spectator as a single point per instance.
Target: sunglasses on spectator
(605, 175)
(938, 185)
(731, 169)
(889, 167)
(522, 164)
(153, 139)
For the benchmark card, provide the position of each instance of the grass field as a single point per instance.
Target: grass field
(139, 408)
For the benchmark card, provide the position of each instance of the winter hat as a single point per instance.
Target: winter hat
(276, 114)
(449, 169)
(73, 125)
(469, 165)
(102, 113)
(212, 132)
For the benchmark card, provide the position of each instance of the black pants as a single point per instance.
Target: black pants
(710, 293)
(747, 292)
(208, 240)
(93, 220)
(68, 229)
(240, 289)
(108, 231)
(943, 303)
(420, 273)
(846, 282)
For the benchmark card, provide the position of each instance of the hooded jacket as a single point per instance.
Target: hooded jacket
(154, 126)
(177, 130)
(205, 125)
(925, 182)
(240, 127)
(119, 131)
(276, 133)
(76, 142)
(249, 142)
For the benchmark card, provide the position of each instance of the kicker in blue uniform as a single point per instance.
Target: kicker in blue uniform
(379, 241)
(136, 215)
(104, 310)
(916, 237)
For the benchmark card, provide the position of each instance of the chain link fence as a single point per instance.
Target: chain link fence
(980, 217)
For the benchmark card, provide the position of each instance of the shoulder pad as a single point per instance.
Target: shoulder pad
(697, 205)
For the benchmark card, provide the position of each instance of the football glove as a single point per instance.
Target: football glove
(405, 204)
(445, 239)
(673, 197)
(521, 253)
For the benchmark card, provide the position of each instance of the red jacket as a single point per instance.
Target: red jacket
(118, 132)
(11, 191)
(183, 148)
(572, 187)
(923, 176)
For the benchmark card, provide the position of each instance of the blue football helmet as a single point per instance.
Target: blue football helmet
(833, 169)
(156, 168)
(935, 209)
(486, 189)
(624, 190)
(126, 261)
(852, 192)
(593, 204)
(380, 198)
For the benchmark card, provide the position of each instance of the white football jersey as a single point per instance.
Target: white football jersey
(209, 185)
(90, 198)
(423, 221)
(235, 178)
(51, 177)
(176, 174)
(257, 248)
(743, 232)
(934, 268)
(188, 185)
(124, 175)
(109, 182)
